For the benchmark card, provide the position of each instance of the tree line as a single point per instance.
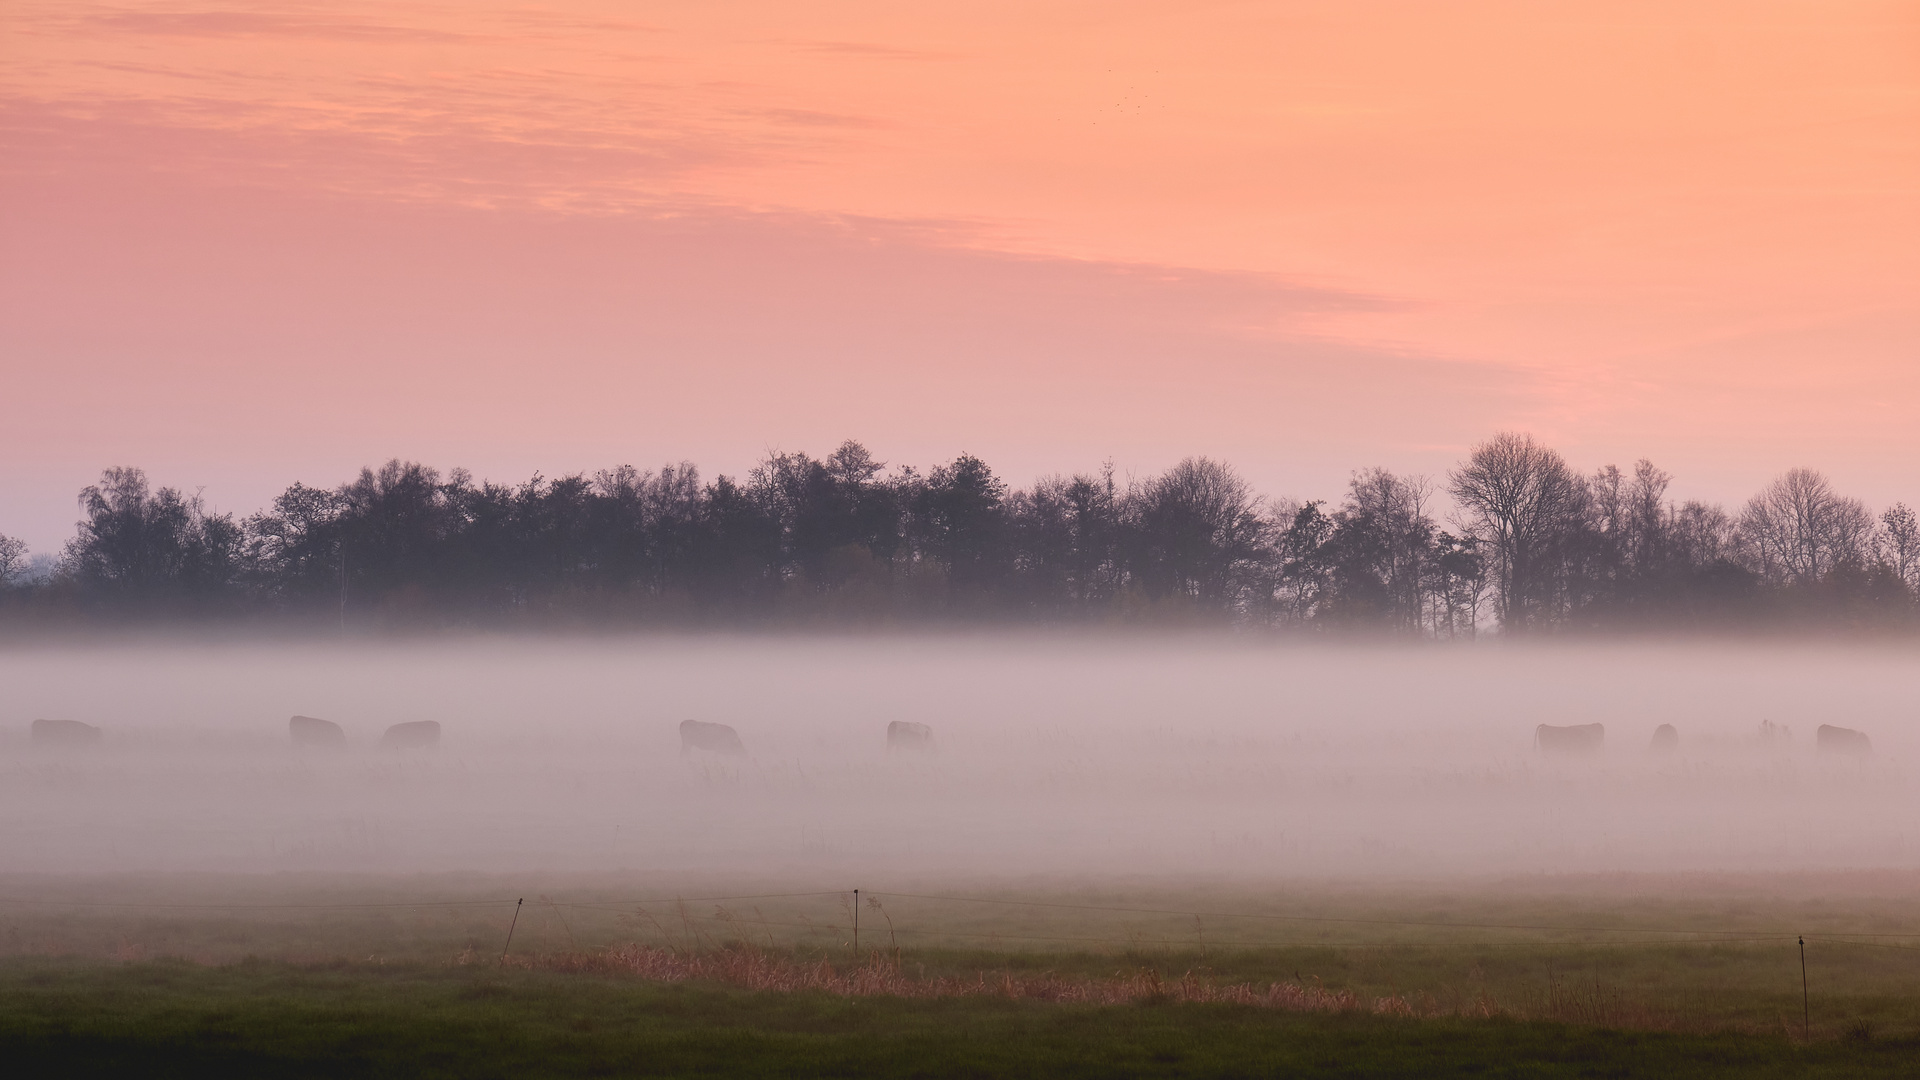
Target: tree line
(1512, 540)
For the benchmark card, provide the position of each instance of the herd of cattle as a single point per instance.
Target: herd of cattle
(305, 730)
(418, 734)
(412, 735)
(723, 740)
(904, 735)
(1590, 738)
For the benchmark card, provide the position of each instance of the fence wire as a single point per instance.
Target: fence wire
(1634, 935)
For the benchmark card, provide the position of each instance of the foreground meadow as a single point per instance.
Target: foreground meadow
(415, 976)
(269, 1018)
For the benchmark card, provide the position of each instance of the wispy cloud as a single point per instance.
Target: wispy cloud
(815, 118)
(875, 52)
(231, 24)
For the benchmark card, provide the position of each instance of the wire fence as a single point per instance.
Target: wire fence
(1587, 935)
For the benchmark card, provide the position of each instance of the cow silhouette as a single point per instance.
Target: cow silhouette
(1570, 739)
(312, 731)
(907, 735)
(1666, 738)
(713, 738)
(1838, 740)
(64, 733)
(414, 734)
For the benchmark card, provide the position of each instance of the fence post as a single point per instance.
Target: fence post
(856, 926)
(1806, 1003)
(510, 926)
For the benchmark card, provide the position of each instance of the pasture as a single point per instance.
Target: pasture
(1103, 858)
(1620, 975)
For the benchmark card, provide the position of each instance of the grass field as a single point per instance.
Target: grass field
(1588, 977)
(271, 1018)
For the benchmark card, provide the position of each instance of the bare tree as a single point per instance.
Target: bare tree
(1458, 586)
(1898, 544)
(1701, 534)
(1519, 496)
(1648, 517)
(13, 559)
(1798, 528)
(1395, 508)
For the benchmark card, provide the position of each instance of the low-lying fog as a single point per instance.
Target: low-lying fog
(1076, 757)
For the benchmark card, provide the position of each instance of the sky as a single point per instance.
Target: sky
(244, 244)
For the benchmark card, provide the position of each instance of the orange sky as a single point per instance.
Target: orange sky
(252, 243)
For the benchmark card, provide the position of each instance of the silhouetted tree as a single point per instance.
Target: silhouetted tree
(1898, 545)
(959, 518)
(841, 538)
(1200, 534)
(152, 547)
(1798, 529)
(1067, 538)
(1701, 535)
(1304, 585)
(13, 560)
(1392, 539)
(834, 515)
(1522, 499)
(1458, 586)
(735, 550)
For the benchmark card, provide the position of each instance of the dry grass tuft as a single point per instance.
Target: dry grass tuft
(881, 976)
(1591, 1003)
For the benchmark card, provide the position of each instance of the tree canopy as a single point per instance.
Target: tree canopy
(1528, 546)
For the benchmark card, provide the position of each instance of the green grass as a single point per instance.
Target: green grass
(130, 976)
(73, 1018)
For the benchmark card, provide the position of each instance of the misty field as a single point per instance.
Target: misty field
(1196, 757)
(1119, 855)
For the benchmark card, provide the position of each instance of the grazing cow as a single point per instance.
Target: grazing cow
(1571, 739)
(412, 734)
(64, 733)
(1839, 740)
(907, 735)
(1665, 738)
(714, 738)
(309, 731)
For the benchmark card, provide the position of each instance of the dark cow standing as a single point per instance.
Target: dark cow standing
(64, 733)
(312, 731)
(713, 738)
(1665, 738)
(907, 735)
(1839, 740)
(413, 734)
(1570, 739)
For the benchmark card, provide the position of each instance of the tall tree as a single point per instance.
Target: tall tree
(1201, 535)
(1067, 535)
(959, 519)
(395, 524)
(141, 545)
(13, 559)
(1798, 529)
(1648, 519)
(1390, 512)
(1523, 499)
(833, 514)
(1898, 544)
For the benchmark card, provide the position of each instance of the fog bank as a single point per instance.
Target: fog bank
(1052, 756)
